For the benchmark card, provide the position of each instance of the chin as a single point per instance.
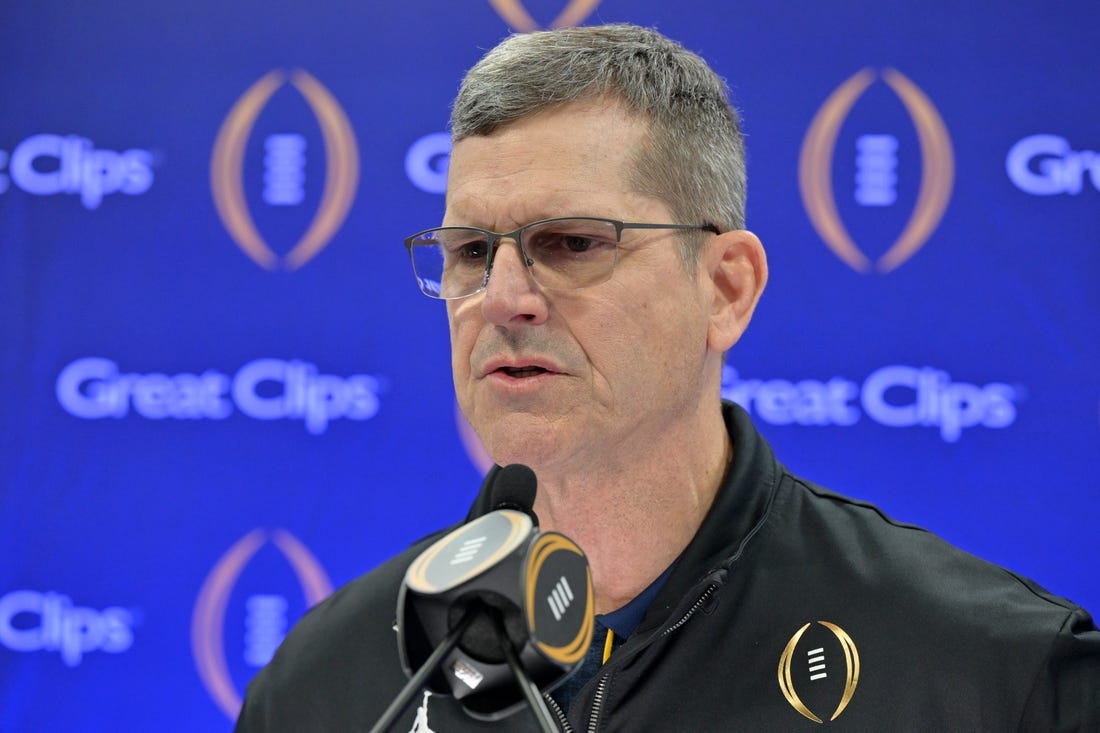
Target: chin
(523, 437)
(525, 453)
(510, 447)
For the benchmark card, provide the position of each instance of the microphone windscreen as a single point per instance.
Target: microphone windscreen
(515, 488)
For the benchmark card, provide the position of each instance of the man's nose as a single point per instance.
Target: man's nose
(512, 292)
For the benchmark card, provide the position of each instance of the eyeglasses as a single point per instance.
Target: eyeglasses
(567, 253)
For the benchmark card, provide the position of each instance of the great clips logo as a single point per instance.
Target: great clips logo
(895, 396)
(46, 165)
(880, 169)
(93, 388)
(31, 621)
(237, 624)
(1047, 165)
(518, 18)
(288, 170)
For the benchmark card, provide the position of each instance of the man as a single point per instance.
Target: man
(588, 344)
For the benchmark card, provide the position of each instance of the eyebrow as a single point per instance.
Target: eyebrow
(552, 208)
(532, 220)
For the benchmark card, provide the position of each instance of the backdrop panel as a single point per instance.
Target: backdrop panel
(223, 394)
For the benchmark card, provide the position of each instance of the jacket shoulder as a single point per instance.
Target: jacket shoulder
(860, 540)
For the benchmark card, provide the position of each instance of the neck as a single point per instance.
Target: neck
(634, 514)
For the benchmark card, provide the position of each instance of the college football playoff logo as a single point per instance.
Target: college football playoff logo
(815, 168)
(341, 169)
(819, 670)
(208, 621)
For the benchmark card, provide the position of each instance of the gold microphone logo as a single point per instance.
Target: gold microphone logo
(516, 16)
(814, 666)
(551, 546)
(815, 167)
(208, 618)
(341, 169)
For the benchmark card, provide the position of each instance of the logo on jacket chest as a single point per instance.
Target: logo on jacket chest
(819, 671)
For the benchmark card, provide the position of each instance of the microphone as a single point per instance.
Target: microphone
(514, 604)
(515, 488)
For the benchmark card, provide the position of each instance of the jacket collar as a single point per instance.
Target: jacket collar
(740, 509)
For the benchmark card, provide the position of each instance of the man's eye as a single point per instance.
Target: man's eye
(471, 250)
(563, 244)
(577, 242)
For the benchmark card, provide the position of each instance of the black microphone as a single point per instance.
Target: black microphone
(515, 487)
(510, 600)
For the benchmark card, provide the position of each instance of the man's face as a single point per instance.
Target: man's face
(563, 380)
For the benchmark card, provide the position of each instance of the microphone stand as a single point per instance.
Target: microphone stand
(401, 703)
(530, 690)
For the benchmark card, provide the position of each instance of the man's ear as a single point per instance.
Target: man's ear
(738, 270)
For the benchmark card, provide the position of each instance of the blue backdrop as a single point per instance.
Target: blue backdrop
(224, 395)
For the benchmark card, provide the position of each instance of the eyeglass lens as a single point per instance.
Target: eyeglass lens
(563, 254)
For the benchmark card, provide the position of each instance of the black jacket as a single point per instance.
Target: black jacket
(793, 609)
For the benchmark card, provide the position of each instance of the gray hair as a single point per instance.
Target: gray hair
(694, 159)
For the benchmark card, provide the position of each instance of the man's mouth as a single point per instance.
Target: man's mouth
(524, 371)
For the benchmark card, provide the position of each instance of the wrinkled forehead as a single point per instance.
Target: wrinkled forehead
(577, 159)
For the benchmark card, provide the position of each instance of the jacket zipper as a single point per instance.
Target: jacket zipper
(597, 703)
(707, 592)
(563, 722)
(601, 688)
